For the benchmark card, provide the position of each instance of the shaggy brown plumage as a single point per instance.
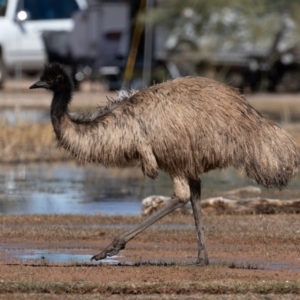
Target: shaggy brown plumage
(185, 127)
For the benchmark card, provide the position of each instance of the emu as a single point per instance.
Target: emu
(184, 127)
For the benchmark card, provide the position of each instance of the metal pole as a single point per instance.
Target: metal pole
(148, 48)
(133, 48)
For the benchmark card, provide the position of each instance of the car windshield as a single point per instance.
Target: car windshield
(3, 4)
(48, 9)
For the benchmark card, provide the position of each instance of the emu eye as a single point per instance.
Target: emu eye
(59, 78)
(49, 81)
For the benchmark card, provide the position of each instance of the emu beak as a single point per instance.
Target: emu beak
(39, 84)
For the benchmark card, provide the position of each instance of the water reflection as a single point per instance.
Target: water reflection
(74, 256)
(57, 256)
(66, 188)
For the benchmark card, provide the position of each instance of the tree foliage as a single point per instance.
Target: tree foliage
(218, 24)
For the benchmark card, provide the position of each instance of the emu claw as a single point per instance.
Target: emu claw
(111, 250)
(99, 256)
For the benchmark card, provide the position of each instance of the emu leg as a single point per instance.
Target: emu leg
(195, 187)
(120, 241)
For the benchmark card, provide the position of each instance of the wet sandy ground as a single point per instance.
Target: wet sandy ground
(245, 251)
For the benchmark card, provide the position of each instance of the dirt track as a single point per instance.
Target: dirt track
(17, 95)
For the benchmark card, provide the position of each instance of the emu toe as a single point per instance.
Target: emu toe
(111, 250)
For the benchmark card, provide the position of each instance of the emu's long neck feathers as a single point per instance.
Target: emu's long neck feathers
(59, 110)
(93, 138)
(71, 135)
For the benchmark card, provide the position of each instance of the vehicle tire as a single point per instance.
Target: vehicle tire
(2, 73)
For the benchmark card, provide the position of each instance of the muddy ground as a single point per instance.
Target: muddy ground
(256, 255)
(251, 256)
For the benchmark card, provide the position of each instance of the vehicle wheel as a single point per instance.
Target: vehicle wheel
(2, 73)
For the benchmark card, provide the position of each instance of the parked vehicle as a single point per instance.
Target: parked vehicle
(97, 47)
(22, 23)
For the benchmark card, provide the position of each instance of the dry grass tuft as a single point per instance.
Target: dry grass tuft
(29, 142)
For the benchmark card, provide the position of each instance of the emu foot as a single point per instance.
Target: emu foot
(202, 261)
(111, 250)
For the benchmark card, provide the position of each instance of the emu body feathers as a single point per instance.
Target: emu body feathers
(184, 127)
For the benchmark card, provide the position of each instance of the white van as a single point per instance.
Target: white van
(21, 25)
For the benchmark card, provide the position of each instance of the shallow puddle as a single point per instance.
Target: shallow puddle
(50, 256)
(77, 257)
(258, 264)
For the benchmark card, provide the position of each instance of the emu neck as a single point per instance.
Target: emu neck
(59, 109)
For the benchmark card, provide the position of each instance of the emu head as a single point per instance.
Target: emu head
(54, 78)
